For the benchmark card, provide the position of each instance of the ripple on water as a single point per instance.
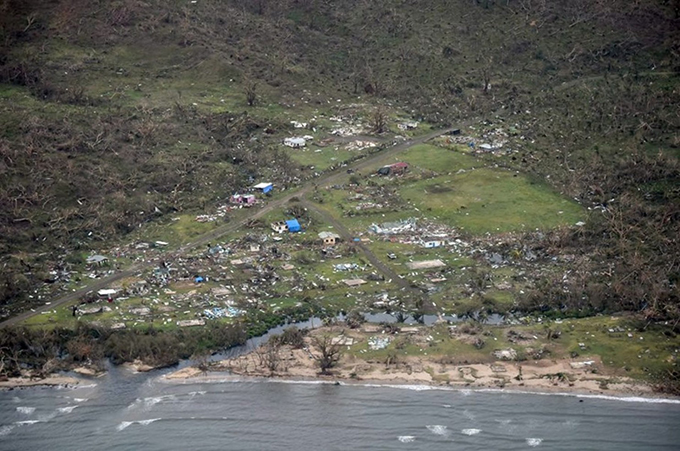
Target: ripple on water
(26, 410)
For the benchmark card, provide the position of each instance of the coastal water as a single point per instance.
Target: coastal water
(124, 411)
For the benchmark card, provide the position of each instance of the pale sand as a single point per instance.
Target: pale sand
(137, 366)
(50, 381)
(298, 365)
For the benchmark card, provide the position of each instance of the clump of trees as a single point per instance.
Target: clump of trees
(41, 351)
(327, 353)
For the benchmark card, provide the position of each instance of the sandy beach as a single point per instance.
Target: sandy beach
(53, 380)
(585, 375)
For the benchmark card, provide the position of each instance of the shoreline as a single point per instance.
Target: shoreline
(53, 380)
(212, 377)
(586, 376)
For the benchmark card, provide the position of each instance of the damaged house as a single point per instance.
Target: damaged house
(393, 169)
(264, 187)
(247, 200)
(329, 238)
(291, 225)
(391, 228)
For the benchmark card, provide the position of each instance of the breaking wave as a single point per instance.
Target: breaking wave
(147, 403)
(413, 387)
(26, 410)
(533, 442)
(6, 430)
(471, 431)
(438, 429)
(406, 438)
(67, 409)
(583, 396)
(125, 424)
(26, 422)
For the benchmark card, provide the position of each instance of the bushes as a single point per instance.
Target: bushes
(291, 337)
(34, 348)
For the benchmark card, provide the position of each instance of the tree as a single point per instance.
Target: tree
(379, 120)
(268, 355)
(329, 353)
(251, 92)
(354, 319)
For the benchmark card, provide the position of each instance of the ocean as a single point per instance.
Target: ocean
(125, 411)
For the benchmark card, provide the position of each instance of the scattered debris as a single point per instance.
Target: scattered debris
(581, 365)
(505, 354)
(97, 259)
(427, 264)
(342, 341)
(191, 322)
(407, 125)
(353, 282)
(391, 228)
(377, 343)
(393, 169)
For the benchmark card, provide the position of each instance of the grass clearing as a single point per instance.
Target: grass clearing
(438, 159)
(490, 200)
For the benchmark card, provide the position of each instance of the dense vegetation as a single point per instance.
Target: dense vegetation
(117, 113)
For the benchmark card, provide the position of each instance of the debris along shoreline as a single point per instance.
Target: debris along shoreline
(52, 380)
(366, 358)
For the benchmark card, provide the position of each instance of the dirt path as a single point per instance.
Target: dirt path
(345, 234)
(330, 178)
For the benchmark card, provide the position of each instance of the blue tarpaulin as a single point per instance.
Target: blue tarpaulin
(293, 225)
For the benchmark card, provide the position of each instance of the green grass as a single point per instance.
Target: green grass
(489, 200)
(321, 158)
(438, 159)
(180, 231)
(634, 355)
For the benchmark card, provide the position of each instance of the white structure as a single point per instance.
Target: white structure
(295, 142)
(264, 187)
(433, 243)
(279, 226)
(427, 264)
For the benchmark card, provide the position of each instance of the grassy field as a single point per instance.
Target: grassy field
(492, 200)
(622, 348)
(438, 159)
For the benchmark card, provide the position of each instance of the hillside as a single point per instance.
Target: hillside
(116, 115)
